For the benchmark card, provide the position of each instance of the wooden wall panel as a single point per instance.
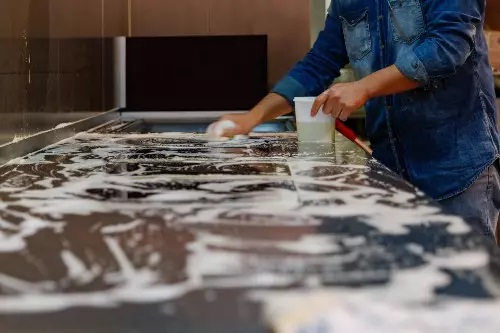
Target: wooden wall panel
(230, 17)
(493, 14)
(286, 23)
(82, 22)
(13, 18)
(169, 17)
(76, 18)
(115, 18)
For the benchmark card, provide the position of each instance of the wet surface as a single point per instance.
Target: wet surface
(171, 233)
(18, 125)
(198, 168)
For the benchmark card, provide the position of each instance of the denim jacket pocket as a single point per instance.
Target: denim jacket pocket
(407, 20)
(426, 110)
(357, 34)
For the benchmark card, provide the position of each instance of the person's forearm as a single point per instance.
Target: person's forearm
(271, 107)
(388, 81)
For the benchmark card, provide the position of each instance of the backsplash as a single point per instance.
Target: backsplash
(55, 75)
(51, 72)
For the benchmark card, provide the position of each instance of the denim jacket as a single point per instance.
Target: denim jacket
(440, 137)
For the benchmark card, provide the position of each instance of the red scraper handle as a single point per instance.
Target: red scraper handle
(349, 134)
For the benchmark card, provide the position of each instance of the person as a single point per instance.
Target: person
(424, 77)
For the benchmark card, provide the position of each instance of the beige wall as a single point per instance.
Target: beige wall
(285, 22)
(288, 23)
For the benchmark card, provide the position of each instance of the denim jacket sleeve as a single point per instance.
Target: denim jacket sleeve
(451, 30)
(319, 68)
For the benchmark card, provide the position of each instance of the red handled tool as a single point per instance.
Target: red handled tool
(349, 133)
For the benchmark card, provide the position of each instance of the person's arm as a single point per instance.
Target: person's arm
(271, 107)
(319, 68)
(450, 40)
(451, 30)
(309, 77)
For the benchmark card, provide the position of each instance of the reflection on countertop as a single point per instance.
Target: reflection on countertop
(15, 126)
(173, 233)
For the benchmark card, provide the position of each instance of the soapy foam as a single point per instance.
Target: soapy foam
(76, 268)
(216, 130)
(407, 304)
(220, 261)
(339, 311)
(62, 125)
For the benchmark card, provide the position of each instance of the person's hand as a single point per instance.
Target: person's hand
(341, 100)
(244, 122)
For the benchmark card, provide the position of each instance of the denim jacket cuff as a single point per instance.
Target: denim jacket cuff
(289, 88)
(412, 67)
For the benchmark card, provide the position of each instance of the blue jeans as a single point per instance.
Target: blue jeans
(479, 205)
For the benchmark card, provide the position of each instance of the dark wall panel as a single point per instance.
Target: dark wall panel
(196, 73)
(493, 14)
(53, 62)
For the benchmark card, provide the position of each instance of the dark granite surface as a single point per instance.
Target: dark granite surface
(171, 233)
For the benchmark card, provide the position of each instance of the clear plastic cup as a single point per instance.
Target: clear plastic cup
(320, 128)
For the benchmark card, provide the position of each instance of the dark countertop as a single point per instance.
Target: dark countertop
(170, 233)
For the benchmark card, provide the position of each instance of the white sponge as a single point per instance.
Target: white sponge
(217, 129)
